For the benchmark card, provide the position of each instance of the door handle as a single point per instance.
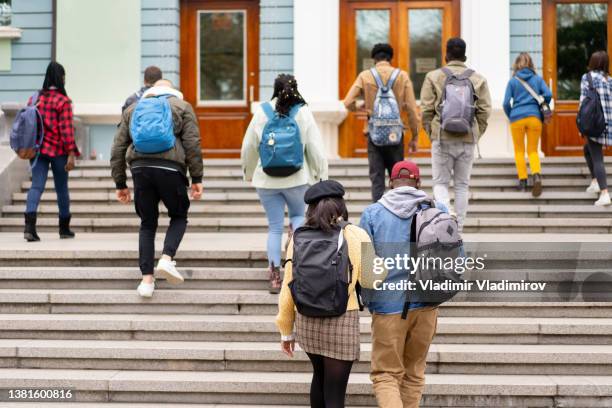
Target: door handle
(251, 93)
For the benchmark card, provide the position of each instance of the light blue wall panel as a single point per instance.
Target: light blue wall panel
(161, 37)
(526, 30)
(31, 53)
(276, 43)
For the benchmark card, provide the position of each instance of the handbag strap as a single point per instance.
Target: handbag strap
(539, 99)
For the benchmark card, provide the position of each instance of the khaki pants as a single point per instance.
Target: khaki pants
(399, 353)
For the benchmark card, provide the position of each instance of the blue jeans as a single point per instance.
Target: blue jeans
(274, 201)
(40, 172)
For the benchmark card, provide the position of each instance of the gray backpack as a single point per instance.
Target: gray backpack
(321, 270)
(27, 132)
(434, 235)
(458, 97)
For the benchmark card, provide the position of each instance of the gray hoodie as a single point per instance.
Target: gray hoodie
(403, 201)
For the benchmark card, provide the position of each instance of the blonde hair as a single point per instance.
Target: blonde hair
(523, 61)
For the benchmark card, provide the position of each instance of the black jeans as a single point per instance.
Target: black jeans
(152, 185)
(595, 160)
(381, 159)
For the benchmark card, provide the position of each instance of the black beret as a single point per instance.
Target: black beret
(323, 189)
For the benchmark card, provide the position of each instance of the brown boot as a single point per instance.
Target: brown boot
(275, 279)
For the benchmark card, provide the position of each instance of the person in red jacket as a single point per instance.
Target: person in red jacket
(58, 151)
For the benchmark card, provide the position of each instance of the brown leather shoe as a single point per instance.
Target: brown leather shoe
(536, 190)
(275, 280)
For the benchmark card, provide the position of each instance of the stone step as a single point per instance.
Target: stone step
(267, 357)
(354, 198)
(246, 250)
(255, 210)
(260, 302)
(199, 278)
(216, 186)
(342, 173)
(230, 328)
(597, 224)
(257, 388)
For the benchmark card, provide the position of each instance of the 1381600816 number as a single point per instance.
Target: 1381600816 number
(37, 394)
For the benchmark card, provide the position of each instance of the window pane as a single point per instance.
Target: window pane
(581, 30)
(425, 38)
(222, 56)
(372, 28)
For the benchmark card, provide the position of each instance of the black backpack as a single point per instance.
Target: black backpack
(322, 272)
(590, 120)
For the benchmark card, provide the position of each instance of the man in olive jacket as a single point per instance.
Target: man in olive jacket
(452, 154)
(160, 177)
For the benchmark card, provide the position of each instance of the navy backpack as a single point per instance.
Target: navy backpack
(590, 120)
(28, 131)
(281, 151)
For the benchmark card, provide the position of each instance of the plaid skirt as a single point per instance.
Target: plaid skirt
(333, 337)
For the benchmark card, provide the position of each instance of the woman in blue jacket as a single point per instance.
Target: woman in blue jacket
(523, 111)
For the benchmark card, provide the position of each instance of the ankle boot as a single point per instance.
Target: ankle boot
(522, 185)
(29, 233)
(536, 191)
(64, 228)
(275, 279)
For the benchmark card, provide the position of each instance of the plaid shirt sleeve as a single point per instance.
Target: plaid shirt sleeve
(66, 127)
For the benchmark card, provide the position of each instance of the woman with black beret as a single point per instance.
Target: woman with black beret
(331, 343)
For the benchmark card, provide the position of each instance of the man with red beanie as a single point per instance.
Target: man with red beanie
(399, 346)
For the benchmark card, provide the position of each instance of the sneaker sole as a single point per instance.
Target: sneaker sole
(144, 296)
(170, 278)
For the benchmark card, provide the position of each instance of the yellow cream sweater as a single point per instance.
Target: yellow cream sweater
(354, 236)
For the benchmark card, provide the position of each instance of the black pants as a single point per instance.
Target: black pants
(152, 185)
(595, 160)
(381, 159)
(329, 381)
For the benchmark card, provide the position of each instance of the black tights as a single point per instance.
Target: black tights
(329, 380)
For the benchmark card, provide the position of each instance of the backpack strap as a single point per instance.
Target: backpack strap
(343, 224)
(268, 110)
(466, 74)
(393, 77)
(294, 110)
(377, 78)
(448, 72)
(530, 90)
(590, 80)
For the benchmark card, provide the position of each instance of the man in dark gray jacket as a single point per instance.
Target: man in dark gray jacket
(160, 177)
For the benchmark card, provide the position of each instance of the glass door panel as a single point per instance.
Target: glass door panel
(372, 27)
(425, 44)
(581, 30)
(222, 67)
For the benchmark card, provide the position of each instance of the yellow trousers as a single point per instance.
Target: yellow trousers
(532, 128)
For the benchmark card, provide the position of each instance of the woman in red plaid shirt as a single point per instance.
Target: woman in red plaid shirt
(58, 151)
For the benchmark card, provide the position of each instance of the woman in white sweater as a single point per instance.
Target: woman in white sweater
(276, 192)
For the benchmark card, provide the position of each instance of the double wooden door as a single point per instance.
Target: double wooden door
(572, 31)
(417, 30)
(220, 69)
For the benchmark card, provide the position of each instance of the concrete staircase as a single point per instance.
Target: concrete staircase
(70, 317)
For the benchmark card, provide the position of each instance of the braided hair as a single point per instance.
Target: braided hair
(286, 94)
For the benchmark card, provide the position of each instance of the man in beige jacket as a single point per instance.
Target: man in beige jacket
(361, 96)
(452, 154)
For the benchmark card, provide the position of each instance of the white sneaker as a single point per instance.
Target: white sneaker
(167, 269)
(593, 188)
(604, 200)
(145, 290)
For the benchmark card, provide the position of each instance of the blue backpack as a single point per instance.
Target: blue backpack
(151, 127)
(28, 132)
(280, 150)
(385, 124)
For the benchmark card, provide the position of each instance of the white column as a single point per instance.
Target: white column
(485, 26)
(315, 61)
